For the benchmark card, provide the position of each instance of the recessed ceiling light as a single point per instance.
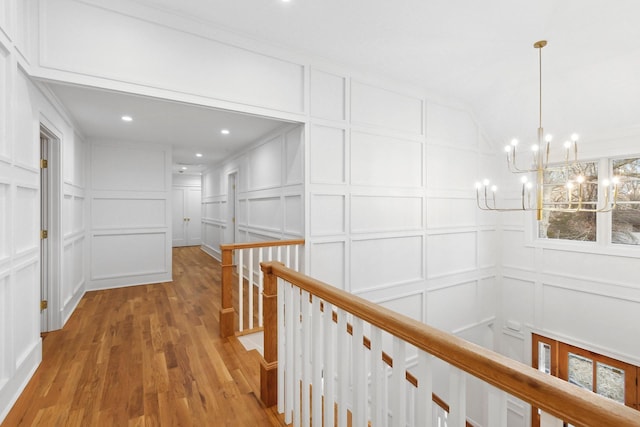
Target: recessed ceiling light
(198, 154)
(225, 131)
(184, 168)
(127, 118)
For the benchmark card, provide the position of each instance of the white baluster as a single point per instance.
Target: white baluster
(317, 343)
(497, 407)
(343, 368)
(423, 404)
(290, 348)
(378, 418)
(358, 367)
(250, 288)
(240, 292)
(282, 350)
(329, 366)
(457, 398)
(287, 259)
(270, 256)
(260, 290)
(296, 260)
(305, 359)
(279, 254)
(297, 357)
(398, 397)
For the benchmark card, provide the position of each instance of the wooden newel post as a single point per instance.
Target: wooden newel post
(269, 363)
(227, 326)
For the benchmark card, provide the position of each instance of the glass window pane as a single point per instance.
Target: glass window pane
(544, 358)
(625, 227)
(610, 382)
(570, 188)
(581, 371)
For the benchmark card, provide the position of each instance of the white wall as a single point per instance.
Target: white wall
(585, 293)
(130, 214)
(270, 186)
(23, 108)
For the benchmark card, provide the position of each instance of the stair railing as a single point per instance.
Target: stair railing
(249, 281)
(315, 369)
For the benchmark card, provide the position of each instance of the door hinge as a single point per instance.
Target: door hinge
(44, 234)
(44, 304)
(44, 164)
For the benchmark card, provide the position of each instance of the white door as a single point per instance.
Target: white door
(186, 216)
(194, 216)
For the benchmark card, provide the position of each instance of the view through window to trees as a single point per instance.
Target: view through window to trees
(569, 187)
(625, 226)
(563, 190)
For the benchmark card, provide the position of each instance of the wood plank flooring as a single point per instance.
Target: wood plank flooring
(147, 356)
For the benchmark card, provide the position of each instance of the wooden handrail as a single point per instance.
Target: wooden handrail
(233, 246)
(553, 395)
(227, 313)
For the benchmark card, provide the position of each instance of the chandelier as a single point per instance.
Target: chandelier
(573, 198)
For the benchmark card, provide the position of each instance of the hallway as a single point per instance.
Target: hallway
(146, 356)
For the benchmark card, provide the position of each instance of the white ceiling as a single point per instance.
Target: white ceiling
(189, 129)
(479, 53)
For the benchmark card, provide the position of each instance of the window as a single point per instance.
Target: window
(625, 219)
(568, 188)
(573, 187)
(603, 375)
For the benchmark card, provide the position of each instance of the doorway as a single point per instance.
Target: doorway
(187, 216)
(50, 207)
(231, 232)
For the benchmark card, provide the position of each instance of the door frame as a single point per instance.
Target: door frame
(51, 267)
(231, 233)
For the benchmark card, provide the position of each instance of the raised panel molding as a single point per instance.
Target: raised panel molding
(293, 215)
(128, 213)
(328, 263)
(128, 168)
(378, 107)
(5, 73)
(385, 262)
(127, 255)
(294, 157)
(5, 228)
(332, 219)
(265, 213)
(327, 148)
(451, 253)
(26, 219)
(265, 165)
(327, 95)
(26, 322)
(385, 213)
(384, 161)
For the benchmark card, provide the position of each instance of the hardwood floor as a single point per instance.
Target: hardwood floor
(147, 356)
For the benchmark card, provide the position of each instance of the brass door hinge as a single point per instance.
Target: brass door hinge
(44, 304)
(44, 164)
(44, 234)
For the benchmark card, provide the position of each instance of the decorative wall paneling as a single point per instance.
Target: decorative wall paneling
(20, 341)
(248, 79)
(130, 188)
(269, 191)
(387, 220)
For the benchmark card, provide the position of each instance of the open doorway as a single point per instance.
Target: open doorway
(50, 229)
